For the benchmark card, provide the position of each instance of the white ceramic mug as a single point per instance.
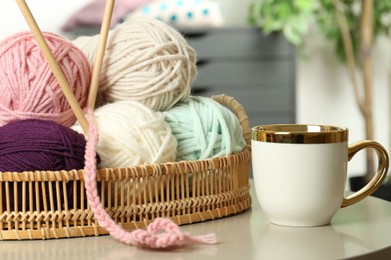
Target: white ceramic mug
(300, 172)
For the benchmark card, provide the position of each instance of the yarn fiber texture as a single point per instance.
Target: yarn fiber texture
(27, 85)
(204, 129)
(160, 234)
(132, 134)
(146, 60)
(32, 144)
(35, 145)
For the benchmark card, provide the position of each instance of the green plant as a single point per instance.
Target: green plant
(350, 25)
(326, 17)
(293, 18)
(290, 17)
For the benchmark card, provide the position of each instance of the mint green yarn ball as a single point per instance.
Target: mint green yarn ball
(204, 129)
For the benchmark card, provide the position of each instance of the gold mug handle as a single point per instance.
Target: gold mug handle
(377, 180)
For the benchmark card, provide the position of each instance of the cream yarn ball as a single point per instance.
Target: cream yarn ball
(146, 60)
(132, 134)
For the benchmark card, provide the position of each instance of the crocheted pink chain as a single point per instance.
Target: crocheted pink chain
(152, 237)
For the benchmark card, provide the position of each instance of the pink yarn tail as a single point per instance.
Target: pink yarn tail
(160, 234)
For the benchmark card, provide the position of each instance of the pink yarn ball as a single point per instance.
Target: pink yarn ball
(29, 89)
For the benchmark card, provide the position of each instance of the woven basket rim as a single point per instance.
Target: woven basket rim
(139, 171)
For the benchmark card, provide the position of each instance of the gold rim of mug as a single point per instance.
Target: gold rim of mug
(300, 134)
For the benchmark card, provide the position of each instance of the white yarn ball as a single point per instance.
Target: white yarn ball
(132, 134)
(146, 60)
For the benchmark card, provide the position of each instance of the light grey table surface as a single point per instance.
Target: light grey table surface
(361, 231)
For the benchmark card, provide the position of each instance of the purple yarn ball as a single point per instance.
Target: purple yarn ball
(32, 144)
(39, 145)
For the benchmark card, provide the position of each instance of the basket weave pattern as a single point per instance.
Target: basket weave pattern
(52, 204)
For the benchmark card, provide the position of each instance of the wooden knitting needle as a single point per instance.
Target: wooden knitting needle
(75, 106)
(100, 52)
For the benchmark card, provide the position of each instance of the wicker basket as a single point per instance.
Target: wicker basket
(52, 204)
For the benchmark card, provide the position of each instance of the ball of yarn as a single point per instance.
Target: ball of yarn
(32, 145)
(132, 134)
(204, 129)
(27, 85)
(147, 61)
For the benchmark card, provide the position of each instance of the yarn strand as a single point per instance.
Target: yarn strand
(152, 238)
